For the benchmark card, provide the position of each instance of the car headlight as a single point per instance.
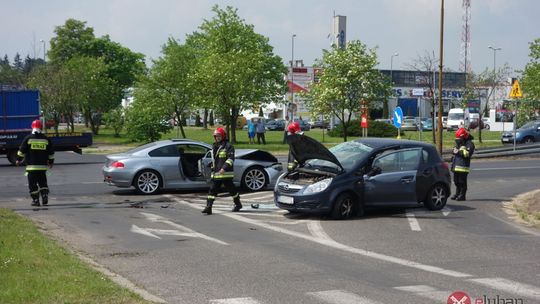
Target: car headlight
(517, 134)
(318, 186)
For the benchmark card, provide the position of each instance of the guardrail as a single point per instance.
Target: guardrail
(522, 149)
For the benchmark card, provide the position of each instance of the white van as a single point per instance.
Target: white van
(456, 119)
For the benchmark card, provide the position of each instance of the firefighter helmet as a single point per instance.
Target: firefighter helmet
(36, 124)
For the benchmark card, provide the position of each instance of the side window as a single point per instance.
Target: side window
(165, 151)
(425, 156)
(194, 149)
(396, 161)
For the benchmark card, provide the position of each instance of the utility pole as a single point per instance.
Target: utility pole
(439, 121)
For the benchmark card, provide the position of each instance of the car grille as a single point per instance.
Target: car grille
(286, 188)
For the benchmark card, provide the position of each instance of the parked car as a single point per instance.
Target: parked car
(486, 123)
(528, 133)
(426, 124)
(409, 124)
(304, 125)
(184, 164)
(275, 125)
(321, 124)
(351, 176)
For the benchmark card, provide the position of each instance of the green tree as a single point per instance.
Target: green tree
(168, 87)
(115, 119)
(349, 78)
(531, 84)
(237, 68)
(72, 39)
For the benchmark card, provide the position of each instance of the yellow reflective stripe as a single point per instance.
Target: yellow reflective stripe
(229, 161)
(51, 156)
(38, 140)
(223, 176)
(36, 167)
(211, 197)
(35, 192)
(19, 153)
(464, 151)
(461, 169)
(222, 154)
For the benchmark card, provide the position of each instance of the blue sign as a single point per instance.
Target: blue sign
(398, 117)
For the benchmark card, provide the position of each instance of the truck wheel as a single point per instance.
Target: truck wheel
(12, 156)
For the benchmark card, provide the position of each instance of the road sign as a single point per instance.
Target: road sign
(364, 121)
(516, 90)
(398, 117)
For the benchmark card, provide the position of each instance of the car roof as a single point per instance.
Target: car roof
(377, 143)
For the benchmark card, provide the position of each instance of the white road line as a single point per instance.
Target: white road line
(340, 297)
(90, 183)
(336, 245)
(258, 194)
(446, 211)
(504, 168)
(415, 226)
(248, 300)
(513, 287)
(440, 296)
(159, 219)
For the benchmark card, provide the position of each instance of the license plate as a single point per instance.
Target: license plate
(506, 139)
(285, 200)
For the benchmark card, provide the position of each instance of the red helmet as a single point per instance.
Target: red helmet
(220, 131)
(294, 127)
(462, 133)
(36, 124)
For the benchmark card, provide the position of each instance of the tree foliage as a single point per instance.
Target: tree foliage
(237, 68)
(349, 79)
(531, 84)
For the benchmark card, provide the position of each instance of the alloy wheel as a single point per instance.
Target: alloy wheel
(254, 179)
(148, 182)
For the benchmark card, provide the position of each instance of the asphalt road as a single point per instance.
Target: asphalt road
(163, 244)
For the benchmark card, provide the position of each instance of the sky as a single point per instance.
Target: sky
(407, 27)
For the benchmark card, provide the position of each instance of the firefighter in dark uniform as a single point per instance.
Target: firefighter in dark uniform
(461, 162)
(37, 150)
(222, 171)
(292, 129)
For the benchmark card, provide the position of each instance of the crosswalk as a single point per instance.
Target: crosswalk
(398, 294)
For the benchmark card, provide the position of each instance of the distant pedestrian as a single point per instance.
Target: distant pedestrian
(37, 150)
(461, 162)
(260, 129)
(251, 132)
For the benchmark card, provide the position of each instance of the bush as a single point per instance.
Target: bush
(114, 119)
(376, 129)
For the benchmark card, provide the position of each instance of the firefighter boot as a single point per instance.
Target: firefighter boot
(208, 208)
(237, 204)
(456, 195)
(45, 197)
(461, 196)
(35, 199)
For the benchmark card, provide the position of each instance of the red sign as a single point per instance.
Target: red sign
(364, 121)
(459, 297)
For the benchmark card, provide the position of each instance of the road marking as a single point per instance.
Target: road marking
(340, 297)
(336, 245)
(415, 226)
(137, 229)
(499, 284)
(258, 194)
(440, 296)
(446, 211)
(248, 300)
(504, 168)
(90, 183)
(159, 219)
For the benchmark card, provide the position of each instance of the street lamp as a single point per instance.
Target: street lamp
(495, 49)
(391, 65)
(43, 41)
(292, 76)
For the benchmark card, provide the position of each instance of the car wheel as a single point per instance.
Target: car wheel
(344, 207)
(254, 179)
(436, 197)
(147, 182)
(528, 140)
(486, 127)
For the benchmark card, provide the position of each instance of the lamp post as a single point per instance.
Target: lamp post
(391, 65)
(292, 76)
(43, 41)
(495, 49)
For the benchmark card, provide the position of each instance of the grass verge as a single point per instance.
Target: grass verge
(274, 139)
(35, 269)
(525, 208)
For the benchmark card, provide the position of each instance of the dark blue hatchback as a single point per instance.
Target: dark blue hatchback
(342, 181)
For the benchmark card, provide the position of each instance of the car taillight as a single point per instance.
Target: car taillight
(445, 165)
(117, 164)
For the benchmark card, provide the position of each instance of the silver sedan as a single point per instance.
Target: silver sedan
(183, 164)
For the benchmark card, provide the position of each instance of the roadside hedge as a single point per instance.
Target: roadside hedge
(376, 129)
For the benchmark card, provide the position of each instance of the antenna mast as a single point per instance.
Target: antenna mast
(465, 61)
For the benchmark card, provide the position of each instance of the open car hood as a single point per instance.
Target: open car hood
(304, 148)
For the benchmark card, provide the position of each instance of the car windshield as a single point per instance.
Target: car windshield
(348, 154)
(455, 116)
(531, 124)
